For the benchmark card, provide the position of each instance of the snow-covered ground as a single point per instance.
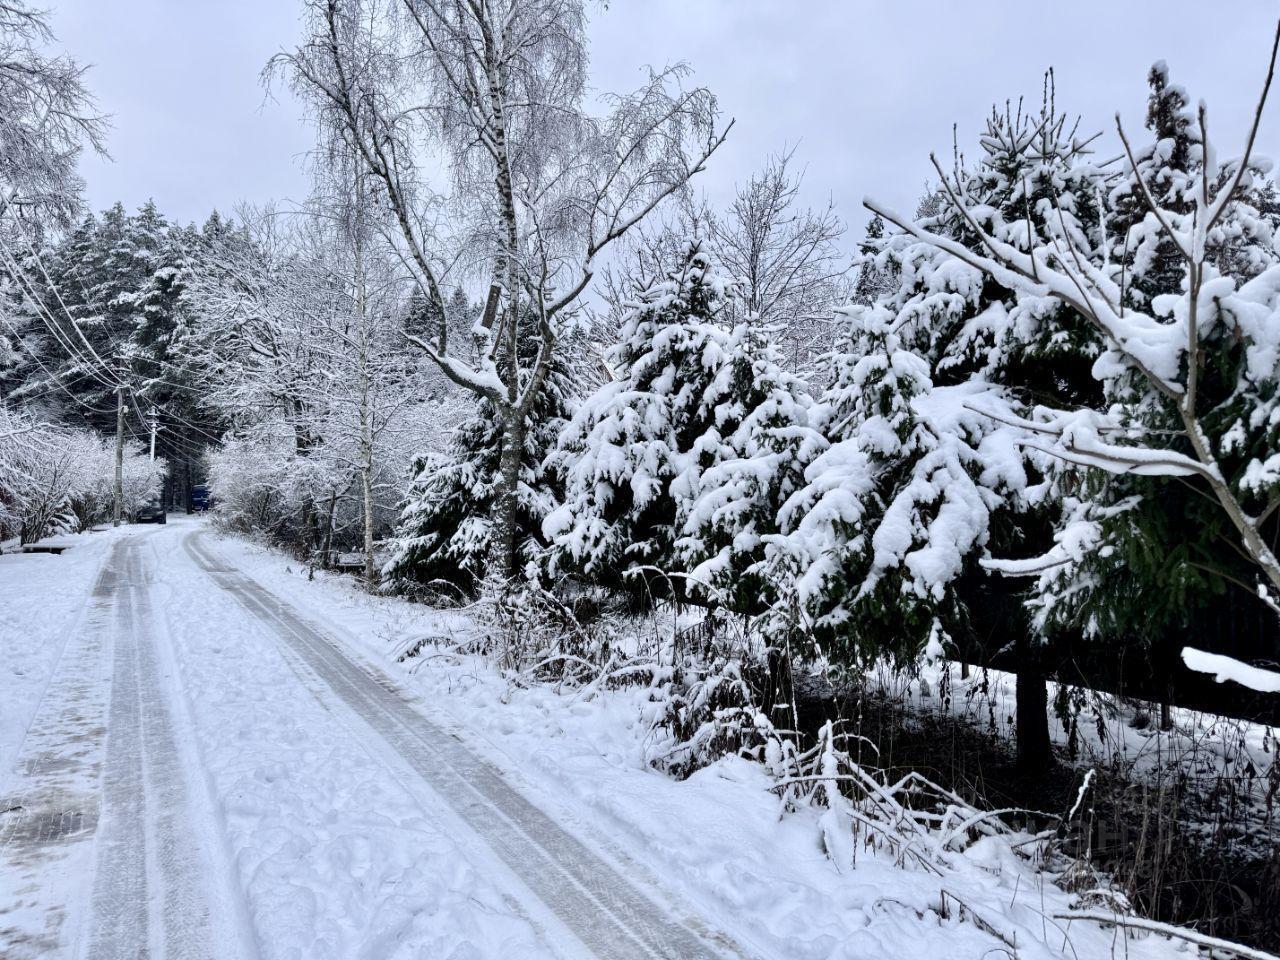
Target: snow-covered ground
(342, 805)
(1200, 751)
(718, 839)
(41, 598)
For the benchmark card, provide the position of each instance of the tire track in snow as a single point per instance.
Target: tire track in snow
(120, 896)
(148, 897)
(607, 912)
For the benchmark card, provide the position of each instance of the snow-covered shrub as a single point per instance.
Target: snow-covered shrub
(709, 709)
(257, 482)
(533, 633)
(57, 479)
(919, 823)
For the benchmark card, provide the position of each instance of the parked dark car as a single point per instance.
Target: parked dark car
(151, 512)
(201, 499)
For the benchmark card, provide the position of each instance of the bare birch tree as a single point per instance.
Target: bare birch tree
(786, 257)
(493, 92)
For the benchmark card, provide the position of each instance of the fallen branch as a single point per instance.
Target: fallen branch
(1169, 930)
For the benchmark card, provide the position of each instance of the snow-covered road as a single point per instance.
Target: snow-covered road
(102, 841)
(206, 753)
(208, 774)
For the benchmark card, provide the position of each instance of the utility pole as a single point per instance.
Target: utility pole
(154, 427)
(117, 511)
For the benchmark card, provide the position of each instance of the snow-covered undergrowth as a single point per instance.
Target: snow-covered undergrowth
(797, 853)
(57, 479)
(1225, 770)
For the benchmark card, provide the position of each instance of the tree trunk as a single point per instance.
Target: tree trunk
(366, 489)
(309, 532)
(1034, 755)
(328, 531)
(508, 505)
(360, 309)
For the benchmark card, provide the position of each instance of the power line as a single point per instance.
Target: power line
(180, 443)
(50, 323)
(88, 298)
(61, 302)
(34, 390)
(184, 421)
(52, 376)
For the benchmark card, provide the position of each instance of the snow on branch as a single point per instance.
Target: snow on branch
(1228, 668)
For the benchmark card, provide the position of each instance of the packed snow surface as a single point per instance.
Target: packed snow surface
(254, 776)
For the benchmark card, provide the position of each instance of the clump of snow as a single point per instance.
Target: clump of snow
(1229, 668)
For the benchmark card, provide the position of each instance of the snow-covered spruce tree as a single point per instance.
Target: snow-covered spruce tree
(1140, 555)
(1156, 557)
(111, 292)
(627, 443)
(875, 278)
(1190, 378)
(1166, 169)
(674, 471)
(169, 389)
(893, 510)
(65, 292)
(444, 538)
(923, 473)
(741, 471)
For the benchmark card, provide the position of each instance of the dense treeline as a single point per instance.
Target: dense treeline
(108, 302)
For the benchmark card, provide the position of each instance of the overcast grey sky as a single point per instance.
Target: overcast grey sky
(865, 88)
